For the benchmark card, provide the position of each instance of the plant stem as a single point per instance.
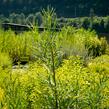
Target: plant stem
(54, 78)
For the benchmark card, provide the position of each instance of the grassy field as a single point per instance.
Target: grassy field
(66, 70)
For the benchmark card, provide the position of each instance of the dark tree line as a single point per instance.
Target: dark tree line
(66, 8)
(99, 24)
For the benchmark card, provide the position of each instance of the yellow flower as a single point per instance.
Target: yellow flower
(1, 94)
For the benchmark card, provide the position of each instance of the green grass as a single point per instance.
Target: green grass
(66, 70)
(77, 86)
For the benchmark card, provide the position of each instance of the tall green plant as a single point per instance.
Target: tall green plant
(49, 17)
(47, 50)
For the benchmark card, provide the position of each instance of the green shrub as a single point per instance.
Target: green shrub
(80, 87)
(95, 46)
(18, 46)
(70, 41)
(77, 86)
(5, 61)
(106, 24)
(99, 69)
(84, 43)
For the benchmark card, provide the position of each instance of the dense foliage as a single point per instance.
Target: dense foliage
(99, 24)
(68, 69)
(77, 86)
(66, 8)
(70, 42)
(64, 75)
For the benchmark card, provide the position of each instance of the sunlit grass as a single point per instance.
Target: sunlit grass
(66, 70)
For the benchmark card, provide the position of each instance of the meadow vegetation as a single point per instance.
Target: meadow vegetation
(68, 69)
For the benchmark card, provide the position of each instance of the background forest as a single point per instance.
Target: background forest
(65, 8)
